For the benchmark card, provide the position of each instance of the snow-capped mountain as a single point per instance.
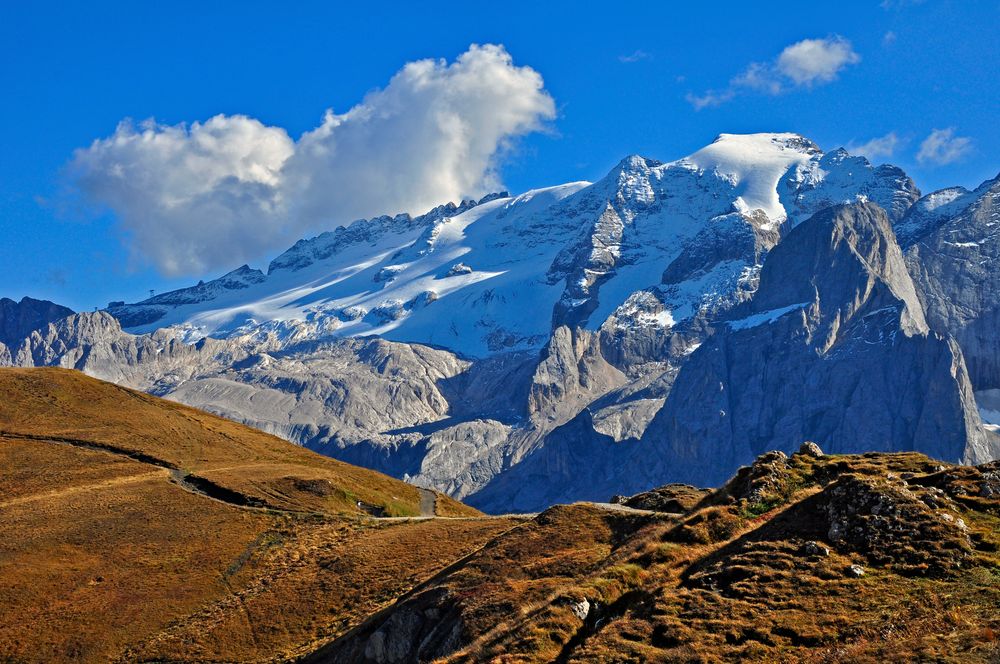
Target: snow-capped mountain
(518, 350)
(462, 277)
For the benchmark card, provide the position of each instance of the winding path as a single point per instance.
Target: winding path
(428, 502)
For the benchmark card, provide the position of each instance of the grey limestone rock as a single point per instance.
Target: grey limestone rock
(952, 243)
(832, 348)
(19, 319)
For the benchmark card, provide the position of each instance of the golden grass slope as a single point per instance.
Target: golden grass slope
(755, 572)
(59, 404)
(106, 554)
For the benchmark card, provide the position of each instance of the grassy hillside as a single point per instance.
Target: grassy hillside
(759, 570)
(135, 528)
(58, 404)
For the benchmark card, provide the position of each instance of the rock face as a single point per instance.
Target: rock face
(19, 319)
(832, 348)
(952, 244)
(522, 350)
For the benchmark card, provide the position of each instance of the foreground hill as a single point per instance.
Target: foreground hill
(217, 455)
(135, 529)
(835, 558)
(125, 518)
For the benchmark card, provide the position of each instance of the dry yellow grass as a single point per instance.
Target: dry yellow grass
(733, 579)
(730, 581)
(57, 404)
(105, 554)
(89, 563)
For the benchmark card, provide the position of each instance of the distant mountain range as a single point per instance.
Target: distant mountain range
(668, 322)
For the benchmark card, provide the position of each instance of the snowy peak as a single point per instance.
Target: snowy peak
(837, 178)
(689, 233)
(754, 164)
(307, 252)
(930, 212)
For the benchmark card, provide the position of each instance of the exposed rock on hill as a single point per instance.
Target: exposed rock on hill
(670, 498)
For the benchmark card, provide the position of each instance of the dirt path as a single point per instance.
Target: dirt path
(202, 486)
(103, 484)
(617, 507)
(198, 486)
(428, 502)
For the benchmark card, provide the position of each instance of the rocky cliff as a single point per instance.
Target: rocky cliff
(952, 243)
(833, 347)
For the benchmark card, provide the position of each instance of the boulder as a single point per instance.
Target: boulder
(810, 449)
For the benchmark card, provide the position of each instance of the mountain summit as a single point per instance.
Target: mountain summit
(667, 322)
(458, 276)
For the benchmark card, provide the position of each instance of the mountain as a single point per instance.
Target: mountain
(515, 351)
(832, 346)
(126, 520)
(459, 277)
(19, 319)
(952, 244)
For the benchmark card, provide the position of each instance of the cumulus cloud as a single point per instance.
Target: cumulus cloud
(804, 64)
(812, 61)
(942, 146)
(212, 194)
(877, 148)
(430, 136)
(189, 197)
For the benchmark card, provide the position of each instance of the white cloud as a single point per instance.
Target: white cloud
(635, 56)
(804, 64)
(709, 99)
(759, 77)
(208, 196)
(189, 198)
(812, 61)
(889, 38)
(432, 135)
(877, 148)
(942, 146)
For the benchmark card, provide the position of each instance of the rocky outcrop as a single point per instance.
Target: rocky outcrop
(888, 522)
(670, 498)
(571, 373)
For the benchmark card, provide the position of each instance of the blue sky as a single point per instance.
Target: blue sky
(622, 79)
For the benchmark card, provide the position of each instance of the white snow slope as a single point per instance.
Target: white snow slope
(479, 279)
